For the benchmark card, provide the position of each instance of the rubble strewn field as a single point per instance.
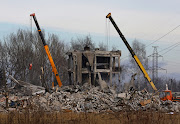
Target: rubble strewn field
(78, 104)
(89, 99)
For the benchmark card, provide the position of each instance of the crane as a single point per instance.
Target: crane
(47, 51)
(132, 52)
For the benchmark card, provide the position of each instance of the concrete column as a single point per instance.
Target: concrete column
(119, 67)
(110, 69)
(89, 76)
(119, 74)
(94, 80)
(69, 68)
(74, 69)
(114, 63)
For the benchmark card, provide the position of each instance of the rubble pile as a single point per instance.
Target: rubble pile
(90, 99)
(78, 99)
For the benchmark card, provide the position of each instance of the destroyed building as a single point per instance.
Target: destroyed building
(84, 66)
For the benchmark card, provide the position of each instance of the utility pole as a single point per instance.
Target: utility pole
(171, 84)
(155, 67)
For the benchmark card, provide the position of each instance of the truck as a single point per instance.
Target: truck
(47, 51)
(132, 52)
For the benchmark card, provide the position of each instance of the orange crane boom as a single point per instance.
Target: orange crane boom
(47, 51)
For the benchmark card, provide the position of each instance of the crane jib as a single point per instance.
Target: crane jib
(122, 36)
(39, 30)
(132, 52)
(47, 51)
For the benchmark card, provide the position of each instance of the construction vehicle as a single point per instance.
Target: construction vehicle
(167, 95)
(47, 51)
(132, 52)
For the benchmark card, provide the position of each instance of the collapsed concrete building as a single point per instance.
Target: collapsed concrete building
(84, 66)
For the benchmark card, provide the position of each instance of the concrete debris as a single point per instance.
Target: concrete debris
(102, 83)
(129, 85)
(145, 102)
(88, 99)
(30, 89)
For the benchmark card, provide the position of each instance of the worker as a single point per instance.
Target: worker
(30, 66)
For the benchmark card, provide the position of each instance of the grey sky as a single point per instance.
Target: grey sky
(145, 20)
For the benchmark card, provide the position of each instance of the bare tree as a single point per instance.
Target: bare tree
(102, 46)
(80, 43)
(140, 51)
(23, 48)
(20, 53)
(58, 50)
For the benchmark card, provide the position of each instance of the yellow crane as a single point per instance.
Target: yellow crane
(132, 52)
(47, 51)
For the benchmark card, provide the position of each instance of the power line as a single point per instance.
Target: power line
(155, 67)
(107, 33)
(172, 62)
(169, 46)
(174, 45)
(159, 39)
(164, 35)
(170, 49)
(172, 65)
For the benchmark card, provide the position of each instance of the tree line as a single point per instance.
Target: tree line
(19, 49)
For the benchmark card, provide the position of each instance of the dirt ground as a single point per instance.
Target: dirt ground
(108, 117)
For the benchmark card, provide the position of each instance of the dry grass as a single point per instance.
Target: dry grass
(132, 117)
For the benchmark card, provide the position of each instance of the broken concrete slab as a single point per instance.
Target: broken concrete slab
(102, 83)
(30, 87)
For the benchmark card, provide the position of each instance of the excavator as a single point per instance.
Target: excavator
(132, 52)
(47, 51)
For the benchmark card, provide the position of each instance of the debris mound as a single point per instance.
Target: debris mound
(84, 98)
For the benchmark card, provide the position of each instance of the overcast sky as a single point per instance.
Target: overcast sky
(137, 19)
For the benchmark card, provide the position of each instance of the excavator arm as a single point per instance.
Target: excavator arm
(132, 52)
(47, 51)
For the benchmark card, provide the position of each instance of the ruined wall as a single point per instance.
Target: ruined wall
(84, 66)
